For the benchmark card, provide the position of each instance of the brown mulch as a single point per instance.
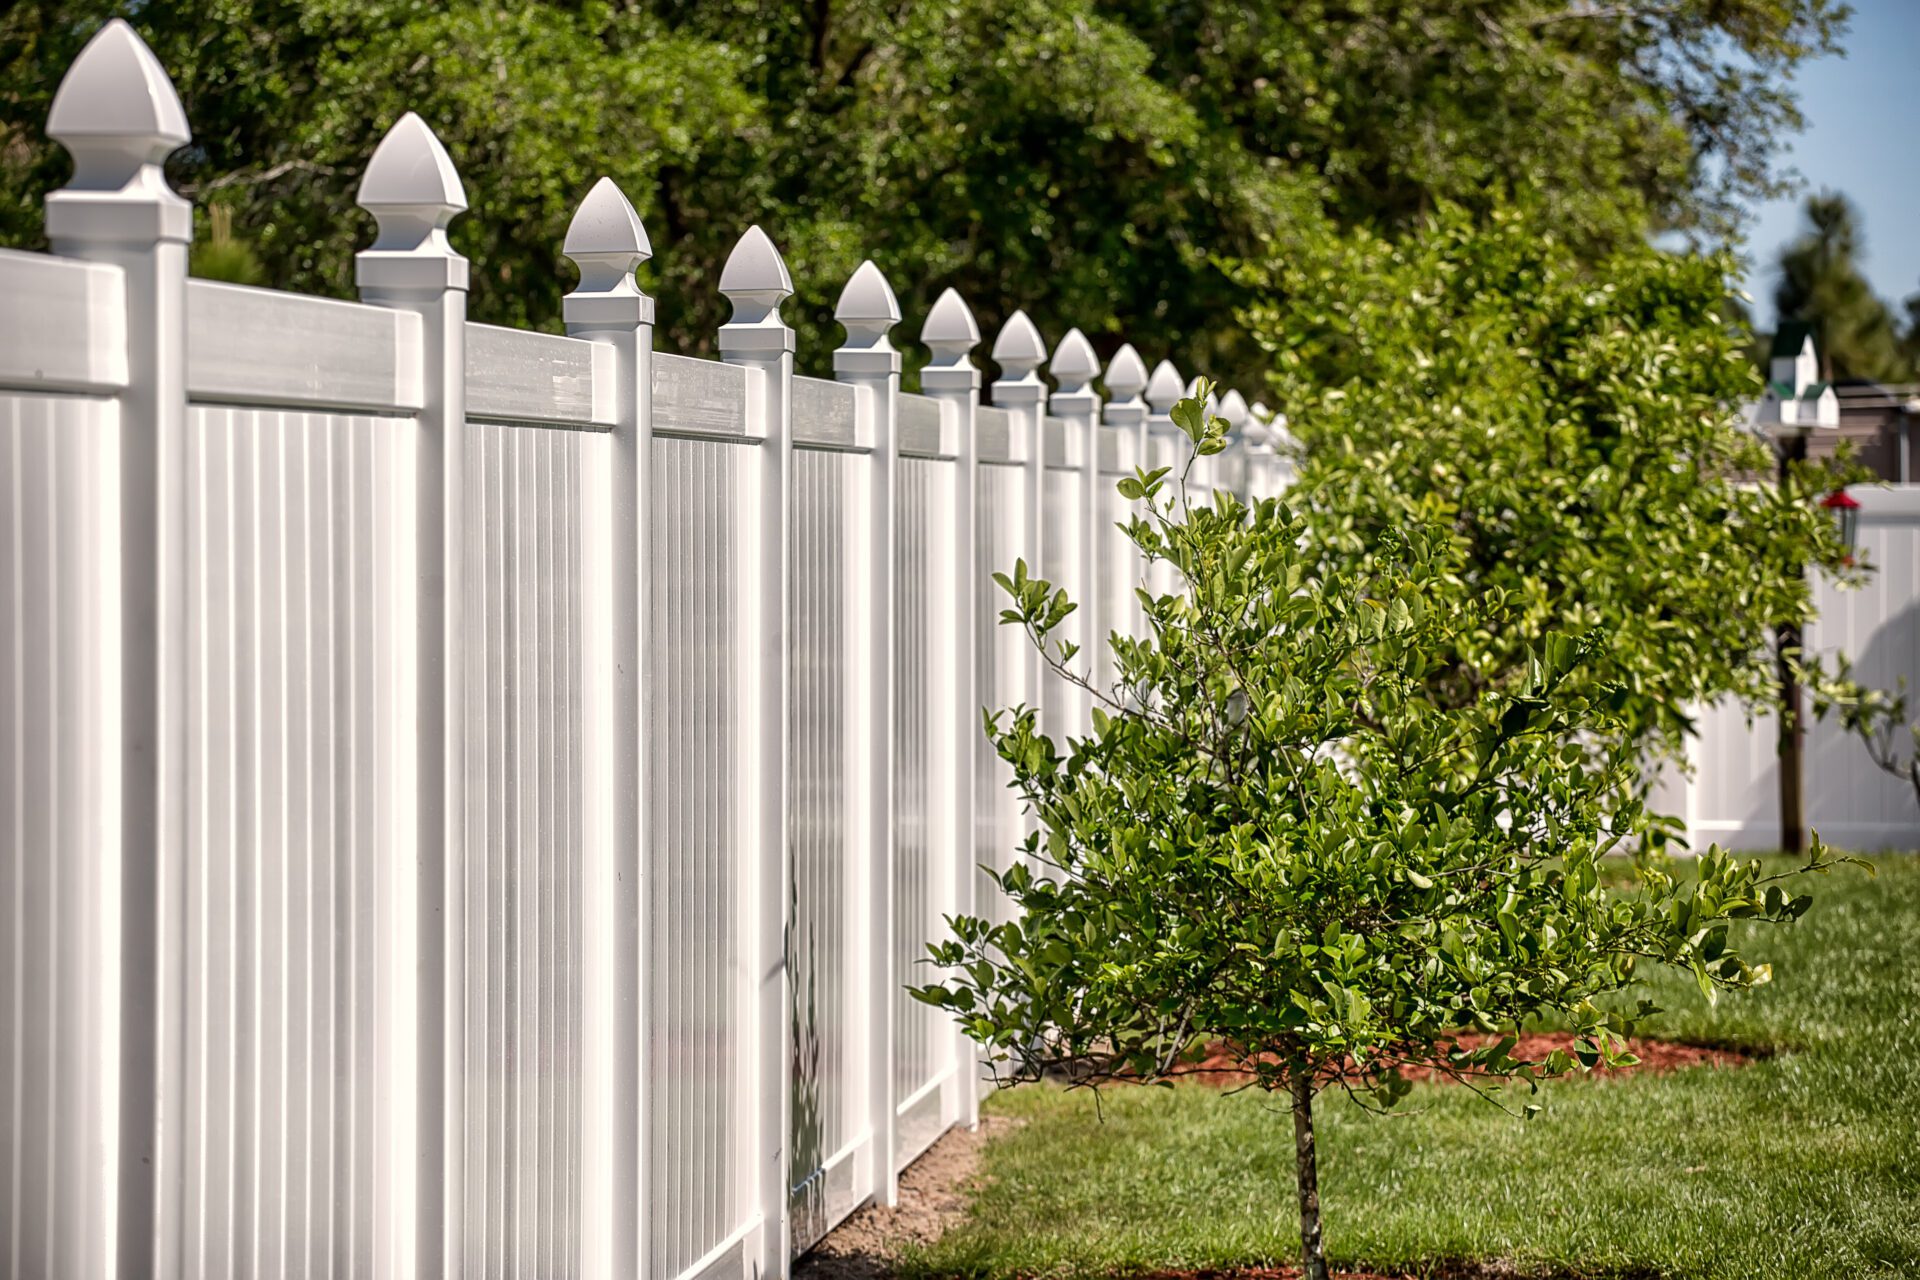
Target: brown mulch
(1496, 1269)
(933, 1196)
(1219, 1067)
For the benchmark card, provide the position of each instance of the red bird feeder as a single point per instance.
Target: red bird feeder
(1846, 516)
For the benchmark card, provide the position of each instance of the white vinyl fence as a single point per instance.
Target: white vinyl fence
(471, 799)
(1733, 796)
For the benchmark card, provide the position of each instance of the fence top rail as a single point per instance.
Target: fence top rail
(263, 347)
(515, 375)
(699, 397)
(65, 326)
(824, 415)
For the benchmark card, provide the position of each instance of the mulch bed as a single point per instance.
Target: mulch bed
(1498, 1269)
(1220, 1069)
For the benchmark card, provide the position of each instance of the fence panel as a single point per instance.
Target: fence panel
(1733, 797)
(832, 842)
(926, 822)
(298, 893)
(59, 830)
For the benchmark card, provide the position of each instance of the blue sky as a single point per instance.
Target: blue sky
(1862, 138)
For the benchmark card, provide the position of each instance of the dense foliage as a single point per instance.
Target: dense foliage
(1084, 161)
(1578, 431)
(1274, 840)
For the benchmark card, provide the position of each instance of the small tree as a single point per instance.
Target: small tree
(1273, 839)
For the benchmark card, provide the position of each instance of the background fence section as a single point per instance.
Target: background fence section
(1733, 794)
(473, 800)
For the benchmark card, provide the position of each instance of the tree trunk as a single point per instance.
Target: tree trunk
(1792, 726)
(1313, 1258)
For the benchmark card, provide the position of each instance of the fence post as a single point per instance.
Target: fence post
(1075, 402)
(117, 114)
(606, 241)
(413, 193)
(950, 379)
(1166, 448)
(1018, 351)
(1126, 378)
(756, 282)
(868, 361)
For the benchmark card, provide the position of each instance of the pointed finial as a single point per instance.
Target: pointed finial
(1126, 374)
(1074, 364)
(1233, 407)
(606, 239)
(950, 332)
(1018, 350)
(868, 299)
(755, 277)
(1164, 389)
(116, 110)
(867, 310)
(756, 282)
(607, 242)
(411, 189)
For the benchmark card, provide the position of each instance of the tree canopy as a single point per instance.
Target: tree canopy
(1089, 162)
(1579, 431)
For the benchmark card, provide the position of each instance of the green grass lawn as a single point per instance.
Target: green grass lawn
(1805, 1164)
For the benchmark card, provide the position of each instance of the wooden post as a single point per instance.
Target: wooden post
(756, 282)
(607, 242)
(412, 191)
(117, 114)
(950, 379)
(869, 362)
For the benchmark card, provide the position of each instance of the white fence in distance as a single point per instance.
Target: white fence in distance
(472, 798)
(1732, 797)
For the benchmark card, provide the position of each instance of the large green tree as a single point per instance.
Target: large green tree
(1579, 429)
(1087, 161)
(1821, 284)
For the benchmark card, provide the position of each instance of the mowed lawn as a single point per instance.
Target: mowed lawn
(1804, 1164)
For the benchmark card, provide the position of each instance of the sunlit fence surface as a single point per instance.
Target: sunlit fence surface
(471, 800)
